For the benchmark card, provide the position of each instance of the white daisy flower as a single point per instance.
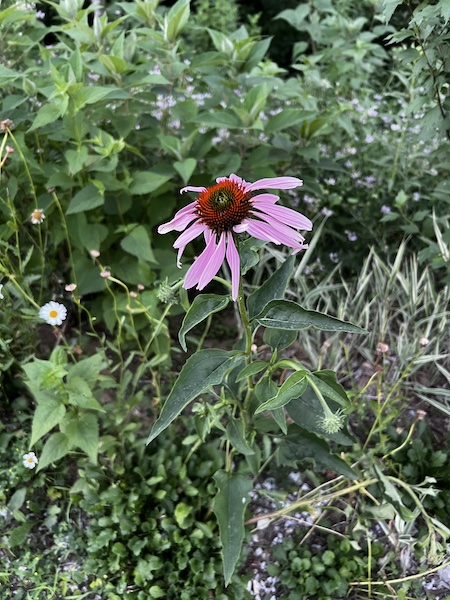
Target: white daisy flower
(53, 313)
(30, 460)
(37, 216)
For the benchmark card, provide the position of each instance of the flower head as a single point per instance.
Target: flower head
(228, 208)
(37, 216)
(30, 460)
(53, 313)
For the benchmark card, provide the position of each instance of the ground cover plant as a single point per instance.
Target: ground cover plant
(240, 390)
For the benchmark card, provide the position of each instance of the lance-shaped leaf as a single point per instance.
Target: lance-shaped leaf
(327, 390)
(229, 507)
(285, 314)
(293, 387)
(201, 371)
(236, 436)
(300, 444)
(271, 289)
(202, 306)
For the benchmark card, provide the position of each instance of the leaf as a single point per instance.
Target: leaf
(89, 95)
(271, 289)
(252, 369)
(17, 499)
(88, 198)
(278, 339)
(287, 118)
(138, 244)
(80, 394)
(236, 436)
(201, 371)
(328, 390)
(55, 447)
(185, 168)
(47, 415)
(176, 19)
(49, 113)
(300, 444)
(293, 387)
(307, 412)
(288, 315)
(229, 507)
(202, 306)
(88, 369)
(82, 432)
(145, 182)
(19, 534)
(221, 119)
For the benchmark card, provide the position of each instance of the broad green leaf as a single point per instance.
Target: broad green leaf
(17, 499)
(49, 113)
(88, 369)
(252, 369)
(249, 253)
(278, 339)
(138, 244)
(176, 19)
(285, 314)
(307, 411)
(236, 436)
(88, 198)
(280, 418)
(19, 534)
(181, 513)
(229, 507)
(300, 444)
(220, 119)
(185, 168)
(328, 390)
(287, 118)
(89, 95)
(76, 159)
(271, 289)
(293, 387)
(329, 377)
(47, 415)
(145, 182)
(202, 306)
(201, 371)
(82, 432)
(55, 447)
(80, 394)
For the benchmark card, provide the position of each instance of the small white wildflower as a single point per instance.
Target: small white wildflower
(105, 274)
(385, 209)
(1, 295)
(424, 341)
(53, 313)
(30, 460)
(37, 216)
(70, 287)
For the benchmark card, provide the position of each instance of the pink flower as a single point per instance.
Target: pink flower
(229, 208)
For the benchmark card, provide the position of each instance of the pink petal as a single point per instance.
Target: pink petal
(269, 198)
(285, 215)
(281, 229)
(275, 183)
(192, 188)
(235, 266)
(183, 240)
(181, 219)
(262, 231)
(200, 264)
(214, 264)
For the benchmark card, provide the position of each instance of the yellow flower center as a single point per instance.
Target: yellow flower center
(53, 313)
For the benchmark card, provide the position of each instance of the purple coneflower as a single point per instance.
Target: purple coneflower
(228, 208)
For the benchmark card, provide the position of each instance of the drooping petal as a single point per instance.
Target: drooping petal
(183, 240)
(200, 264)
(285, 215)
(269, 198)
(285, 234)
(275, 183)
(262, 231)
(181, 219)
(214, 264)
(192, 188)
(235, 265)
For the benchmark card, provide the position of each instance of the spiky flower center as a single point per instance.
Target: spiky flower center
(224, 205)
